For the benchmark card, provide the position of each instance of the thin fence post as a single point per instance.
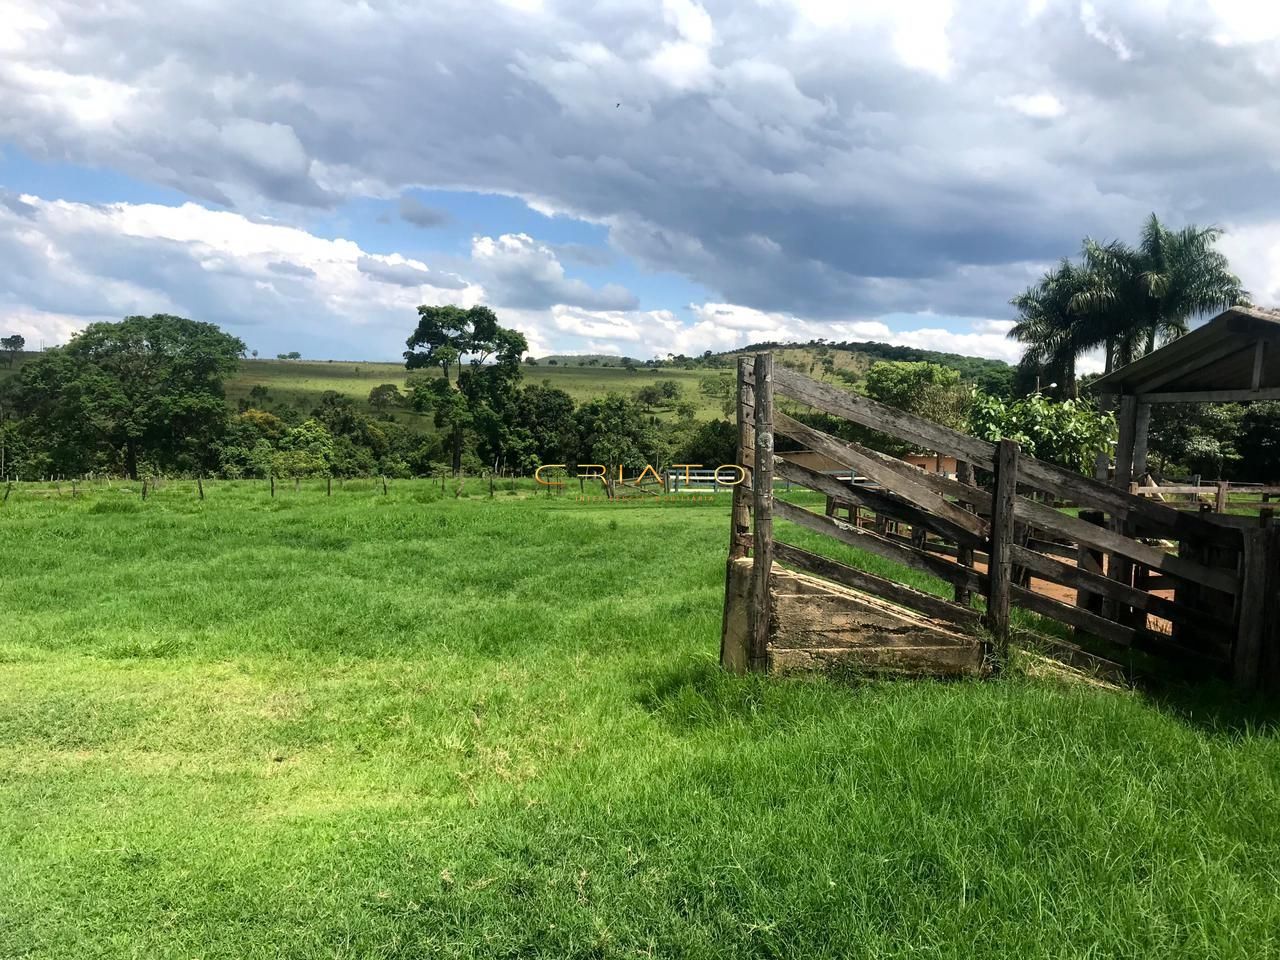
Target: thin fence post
(272, 477)
(144, 489)
(328, 486)
(762, 502)
(384, 485)
(999, 564)
(491, 486)
(200, 487)
(8, 490)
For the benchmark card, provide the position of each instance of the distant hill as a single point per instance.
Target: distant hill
(847, 362)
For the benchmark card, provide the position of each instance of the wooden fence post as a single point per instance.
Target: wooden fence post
(200, 486)
(1247, 654)
(328, 486)
(762, 502)
(740, 527)
(999, 564)
(144, 489)
(1220, 497)
(964, 555)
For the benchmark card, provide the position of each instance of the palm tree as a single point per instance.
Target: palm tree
(1125, 299)
(1140, 297)
(1048, 324)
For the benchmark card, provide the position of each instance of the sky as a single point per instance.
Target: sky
(631, 177)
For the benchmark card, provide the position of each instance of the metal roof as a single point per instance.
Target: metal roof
(1233, 357)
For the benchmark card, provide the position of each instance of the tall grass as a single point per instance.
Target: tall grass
(408, 725)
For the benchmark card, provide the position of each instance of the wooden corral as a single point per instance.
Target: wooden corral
(1127, 572)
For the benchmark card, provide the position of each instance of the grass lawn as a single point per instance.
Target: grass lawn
(400, 726)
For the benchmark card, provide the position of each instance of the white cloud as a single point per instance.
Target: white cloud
(521, 272)
(1109, 38)
(1041, 106)
(73, 263)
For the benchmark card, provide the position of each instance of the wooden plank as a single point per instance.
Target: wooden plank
(879, 500)
(762, 502)
(902, 478)
(1103, 539)
(1247, 655)
(884, 419)
(1213, 396)
(1093, 581)
(737, 601)
(1000, 568)
(905, 596)
(1073, 616)
(740, 523)
(964, 554)
(881, 546)
(1059, 481)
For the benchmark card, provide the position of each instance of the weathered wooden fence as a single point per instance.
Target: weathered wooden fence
(1128, 572)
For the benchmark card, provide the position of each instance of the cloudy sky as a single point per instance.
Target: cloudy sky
(626, 176)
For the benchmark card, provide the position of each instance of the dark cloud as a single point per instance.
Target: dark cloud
(875, 158)
(414, 211)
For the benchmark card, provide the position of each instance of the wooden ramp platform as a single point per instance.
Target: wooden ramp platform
(818, 625)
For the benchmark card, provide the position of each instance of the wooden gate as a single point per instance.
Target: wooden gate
(1006, 530)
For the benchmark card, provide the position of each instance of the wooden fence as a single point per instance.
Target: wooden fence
(1127, 571)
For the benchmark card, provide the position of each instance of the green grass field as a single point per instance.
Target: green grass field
(405, 726)
(300, 382)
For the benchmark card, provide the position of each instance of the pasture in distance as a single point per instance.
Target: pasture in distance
(392, 726)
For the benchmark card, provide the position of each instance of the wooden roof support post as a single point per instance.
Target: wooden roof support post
(1120, 568)
(762, 501)
(1000, 565)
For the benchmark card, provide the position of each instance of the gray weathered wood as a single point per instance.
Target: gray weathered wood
(1213, 396)
(1000, 568)
(1101, 538)
(885, 419)
(1247, 655)
(898, 593)
(740, 530)
(1094, 582)
(1059, 481)
(964, 554)
(900, 477)
(879, 500)
(762, 510)
(737, 590)
(881, 546)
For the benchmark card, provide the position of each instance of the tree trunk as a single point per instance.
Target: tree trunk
(1111, 354)
(457, 450)
(1072, 390)
(131, 459)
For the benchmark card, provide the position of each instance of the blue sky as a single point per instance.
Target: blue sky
(658, 176)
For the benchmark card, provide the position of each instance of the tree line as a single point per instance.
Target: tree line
(147, 395)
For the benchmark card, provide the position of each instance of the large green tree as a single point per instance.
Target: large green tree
(486, 358)
(146, 389)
